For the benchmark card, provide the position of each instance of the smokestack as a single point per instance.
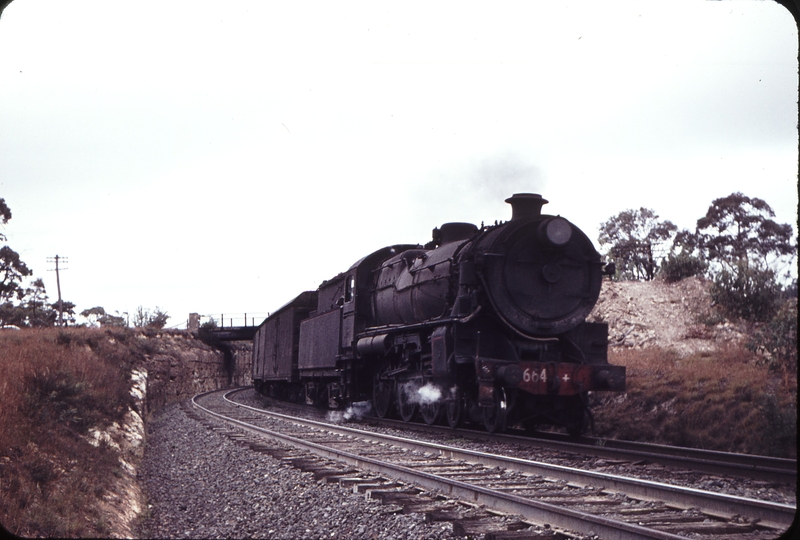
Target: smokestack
(526, 205)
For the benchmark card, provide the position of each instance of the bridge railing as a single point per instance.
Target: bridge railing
(229, 320)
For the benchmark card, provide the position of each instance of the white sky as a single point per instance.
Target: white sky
(223, 157)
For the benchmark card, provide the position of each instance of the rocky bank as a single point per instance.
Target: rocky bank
(659, 314)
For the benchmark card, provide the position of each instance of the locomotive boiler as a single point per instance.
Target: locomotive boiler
(482, 325)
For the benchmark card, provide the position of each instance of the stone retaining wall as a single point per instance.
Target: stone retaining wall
(180, 365)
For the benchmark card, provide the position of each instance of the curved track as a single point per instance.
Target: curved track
(578, 500)
(708, 461)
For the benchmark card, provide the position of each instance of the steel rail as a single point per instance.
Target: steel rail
(757, 467)
(774, 515)
(530, 509)
(747, 461)
(751, 466)
(722, 505)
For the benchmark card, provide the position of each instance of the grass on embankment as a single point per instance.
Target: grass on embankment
(55, 385)
(727, 400)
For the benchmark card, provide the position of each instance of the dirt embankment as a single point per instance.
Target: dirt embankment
(73, 408)
(691, 378)
(676, 316)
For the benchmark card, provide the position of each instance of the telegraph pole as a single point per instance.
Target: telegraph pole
(56, 259)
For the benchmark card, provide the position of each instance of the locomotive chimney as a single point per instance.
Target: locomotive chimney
(526, 205)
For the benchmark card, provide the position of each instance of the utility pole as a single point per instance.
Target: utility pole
(56, 259)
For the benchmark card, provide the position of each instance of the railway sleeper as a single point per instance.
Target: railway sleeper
(514, 535)
(421, 507)
(455, 514)
(715, 528)
(367, 488)
(333, 475)
(483, 526)
(347, 482)
(404, 497)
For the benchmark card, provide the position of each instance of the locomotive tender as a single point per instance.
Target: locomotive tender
(480, 325)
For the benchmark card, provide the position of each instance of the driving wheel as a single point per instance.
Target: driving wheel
(494, 417)
(455, 408)
(382, 397)
(406, 406)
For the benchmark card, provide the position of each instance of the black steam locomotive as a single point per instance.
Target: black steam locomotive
(480, 325)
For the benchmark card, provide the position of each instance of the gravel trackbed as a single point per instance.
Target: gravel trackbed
(200, 484)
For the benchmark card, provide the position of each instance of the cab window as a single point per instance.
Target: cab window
(349, 286)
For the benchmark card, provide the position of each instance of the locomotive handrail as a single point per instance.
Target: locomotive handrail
(375, 330)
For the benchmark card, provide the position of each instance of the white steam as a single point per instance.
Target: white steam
(355, 411)
(425, 395)
(430, 393)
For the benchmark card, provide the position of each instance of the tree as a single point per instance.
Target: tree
(98, 316)
(93, 314)
(636, 240)
(68, 310)
(737, 230)
(38, 312)
(12, 270)
(19, 305)
(744, 245)
(5, 215)
(112, 320)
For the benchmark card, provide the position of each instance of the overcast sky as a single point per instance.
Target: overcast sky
(223, 157)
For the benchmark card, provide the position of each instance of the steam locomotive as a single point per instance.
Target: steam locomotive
(481, 325)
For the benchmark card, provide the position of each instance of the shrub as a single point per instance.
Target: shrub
(746, 293)
(144, 318)
(58, 395)
(778, 338)
(678, 267)
(781, 424)
(210, 324)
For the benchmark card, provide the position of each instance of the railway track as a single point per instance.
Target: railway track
(567, 498)
(708, 461)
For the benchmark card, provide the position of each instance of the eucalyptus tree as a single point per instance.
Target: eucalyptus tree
(636, 240)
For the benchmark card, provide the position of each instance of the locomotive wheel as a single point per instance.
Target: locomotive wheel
(494, 418)
(405, 406)
(454, 410)
(382, 397)
(431, 412)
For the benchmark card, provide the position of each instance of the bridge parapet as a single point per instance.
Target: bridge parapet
(236, 327)
(232, 333)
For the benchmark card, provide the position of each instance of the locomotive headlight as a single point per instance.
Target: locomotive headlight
(557, 231)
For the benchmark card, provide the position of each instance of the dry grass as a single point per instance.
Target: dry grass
(726, 400)
(54, 386)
